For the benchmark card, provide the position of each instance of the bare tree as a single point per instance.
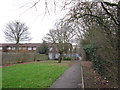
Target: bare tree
(16, 31)
(51, 37)
(62, 36)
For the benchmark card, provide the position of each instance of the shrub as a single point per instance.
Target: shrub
(90, 51)
(20, 62)
(67, 58)
(105, 67)
(43, 48)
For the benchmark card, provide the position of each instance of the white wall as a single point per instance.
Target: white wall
(50, 55)
(53, 56)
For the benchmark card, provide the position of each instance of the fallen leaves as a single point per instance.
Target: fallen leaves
(92, 79)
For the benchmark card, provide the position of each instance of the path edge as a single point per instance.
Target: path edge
(83, 86)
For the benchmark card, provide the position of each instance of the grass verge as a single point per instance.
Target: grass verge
(32, 75)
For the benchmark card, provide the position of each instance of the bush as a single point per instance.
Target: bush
(90, 51)
(67, 58)
(20, 62)
(43, 48)
(105, 67)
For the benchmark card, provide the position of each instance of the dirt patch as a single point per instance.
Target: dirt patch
(86, 63)
(92, 79)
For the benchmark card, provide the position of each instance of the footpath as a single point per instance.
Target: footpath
(71, 78)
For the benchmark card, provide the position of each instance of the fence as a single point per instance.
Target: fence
(10, 58)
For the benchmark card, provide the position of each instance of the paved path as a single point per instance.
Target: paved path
(71, 78)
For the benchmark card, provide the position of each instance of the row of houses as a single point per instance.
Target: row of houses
(31, 48)
(23, 47)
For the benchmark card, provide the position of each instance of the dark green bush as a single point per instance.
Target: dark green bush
(43, 48)
(106, 68)
(20, 62)
(103, 65)
(67, 58)
(90, 51)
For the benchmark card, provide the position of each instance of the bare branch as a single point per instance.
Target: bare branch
(112, 17)
(34, 5)
(110, 4)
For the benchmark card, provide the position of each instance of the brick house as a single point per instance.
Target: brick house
(31, 47)
(23, 47)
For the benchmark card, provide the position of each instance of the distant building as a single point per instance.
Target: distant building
(31, 47)
(23, 47)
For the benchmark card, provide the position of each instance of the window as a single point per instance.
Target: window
(0, 48)
(24, 48)
(13, 48)
(20, 48)
(9, 48)
(34, 48)
(29, 48)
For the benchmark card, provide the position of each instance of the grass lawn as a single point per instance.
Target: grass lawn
(32, 75)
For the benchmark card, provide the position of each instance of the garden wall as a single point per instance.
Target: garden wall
(10, 58)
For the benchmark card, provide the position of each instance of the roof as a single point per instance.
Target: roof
(29, 44)
(21, 44)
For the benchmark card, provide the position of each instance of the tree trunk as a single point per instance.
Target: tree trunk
(118, 43)
(17, 47)
(60, 58)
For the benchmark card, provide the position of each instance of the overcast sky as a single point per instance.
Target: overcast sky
(38, 22)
